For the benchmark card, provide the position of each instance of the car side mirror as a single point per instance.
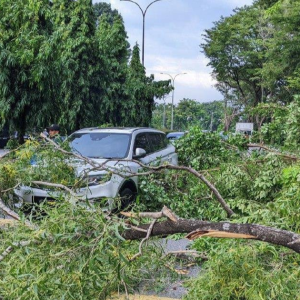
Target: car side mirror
(139, 153)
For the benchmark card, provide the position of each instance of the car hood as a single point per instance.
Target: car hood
(82, 166)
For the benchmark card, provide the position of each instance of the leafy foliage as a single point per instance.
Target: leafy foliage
(202, 150)
(283, 130)
(237, 270)
(61, 65)
(36, 161)
(76, 253)
(261, 188)
(74, 250)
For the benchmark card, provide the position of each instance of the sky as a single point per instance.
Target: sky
(173, 33)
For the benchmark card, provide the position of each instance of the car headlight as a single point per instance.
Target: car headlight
(98, 179)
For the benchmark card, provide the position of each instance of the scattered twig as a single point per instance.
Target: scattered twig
(11, 248)
(125, 288)
(193, 253)
(138, 229)
(143, 241)
(10, 189)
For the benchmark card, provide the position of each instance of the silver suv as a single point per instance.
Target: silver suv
(116, 148)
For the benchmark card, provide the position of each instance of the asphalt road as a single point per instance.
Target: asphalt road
(171, 289)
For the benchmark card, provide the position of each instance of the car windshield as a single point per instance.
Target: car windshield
(100, 144)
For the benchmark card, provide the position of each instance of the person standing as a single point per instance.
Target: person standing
(54, 131)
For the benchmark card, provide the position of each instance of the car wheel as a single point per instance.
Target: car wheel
(127, 197)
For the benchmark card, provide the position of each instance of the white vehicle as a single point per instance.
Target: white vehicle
(115, 148)
(244, 128)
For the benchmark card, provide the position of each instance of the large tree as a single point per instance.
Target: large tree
(59, 64)
(114, 53)
(101, 8)
(236, 49)
(141, 91)
(235, 54)
(48, 63)
(77, 54)
(28, 63)
(281, 70)
(255, 54)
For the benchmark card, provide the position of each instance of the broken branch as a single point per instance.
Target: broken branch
(197, 228)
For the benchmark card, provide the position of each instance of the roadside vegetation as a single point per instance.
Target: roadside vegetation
(72, 249)
(57, 65)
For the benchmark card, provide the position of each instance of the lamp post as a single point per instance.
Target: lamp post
(211, 121)
(164, 112)
(173, 85)
(144, 14)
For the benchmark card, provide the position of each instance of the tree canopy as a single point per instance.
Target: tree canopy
(62, 64)
(254, 55)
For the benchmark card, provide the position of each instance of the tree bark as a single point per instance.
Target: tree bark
(197, 228)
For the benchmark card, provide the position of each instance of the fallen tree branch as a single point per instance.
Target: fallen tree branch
(197, 228)
(13, 215)
(57, 185)
(261, 146)
(193, 172)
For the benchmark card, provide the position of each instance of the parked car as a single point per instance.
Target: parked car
(116, 148)
(175, 135)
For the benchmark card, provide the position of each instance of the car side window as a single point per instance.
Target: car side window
(141, 141)
(157, 141)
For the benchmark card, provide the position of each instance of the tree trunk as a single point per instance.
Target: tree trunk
(197, 228)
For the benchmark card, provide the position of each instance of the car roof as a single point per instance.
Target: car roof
(118, 129)
(176, 133)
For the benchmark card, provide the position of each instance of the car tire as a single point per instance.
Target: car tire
(127, 196)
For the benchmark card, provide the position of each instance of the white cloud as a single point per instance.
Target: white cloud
(127, 9)
(196, 84)
(173, 33)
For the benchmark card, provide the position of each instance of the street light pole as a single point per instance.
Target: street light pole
(173, 85)
(144, 14)
(211, 121)
(164, 114)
